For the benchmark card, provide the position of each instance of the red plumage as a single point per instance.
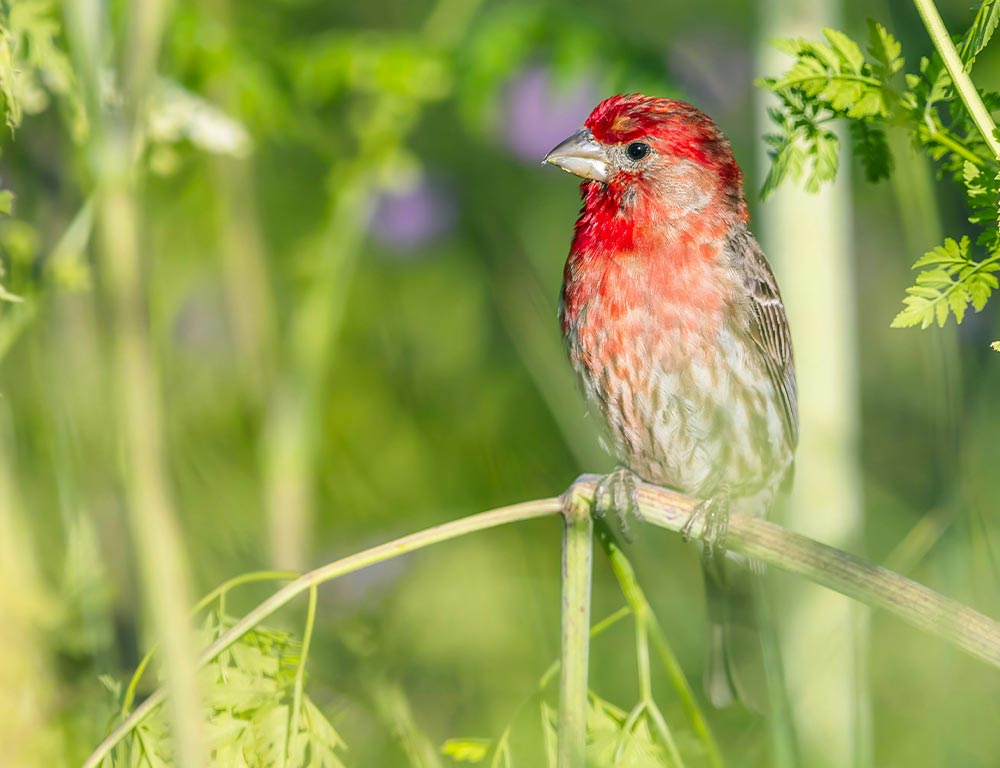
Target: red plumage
(672, 318)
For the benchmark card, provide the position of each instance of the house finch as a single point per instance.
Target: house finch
(675, 327)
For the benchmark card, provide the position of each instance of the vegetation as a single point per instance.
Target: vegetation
(277, 283)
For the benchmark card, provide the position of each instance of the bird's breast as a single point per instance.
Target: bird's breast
(685, 401)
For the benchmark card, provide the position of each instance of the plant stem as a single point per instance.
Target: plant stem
(300, 673)
(218, 592)
(636, 599)
(452, 530)
(963, 83)
(576, 578)
(841, 571)
(651, 710)
(833, 568)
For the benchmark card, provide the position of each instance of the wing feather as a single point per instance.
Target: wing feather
(769, 330)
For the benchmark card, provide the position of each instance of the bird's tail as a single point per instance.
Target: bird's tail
(736, 667)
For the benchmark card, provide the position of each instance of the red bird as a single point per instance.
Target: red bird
(675, 327)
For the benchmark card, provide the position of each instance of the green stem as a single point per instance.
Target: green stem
(963, 83)
(636, 599)
(576, 578)
(543, 682)
(646, 689)
(454, 529)
(943, 137)
(300, 673)
(840, 571)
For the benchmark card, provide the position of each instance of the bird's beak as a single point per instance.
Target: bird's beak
(582, 156)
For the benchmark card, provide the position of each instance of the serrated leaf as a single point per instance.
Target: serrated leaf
(870, 146)
(949, 253)
(958, 300)
(825, 159)
(826, 55)
(980, 33)
(849, 50)
(952, 282)
(885, 50)
(247, 695)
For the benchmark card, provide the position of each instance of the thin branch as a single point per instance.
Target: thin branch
(503, 516)
(841, 571)
(833, 568)
(578, 542)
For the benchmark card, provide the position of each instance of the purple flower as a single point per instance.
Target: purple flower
(409, 218)
(540, 113)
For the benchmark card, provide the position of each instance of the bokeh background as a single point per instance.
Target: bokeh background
(351, 261)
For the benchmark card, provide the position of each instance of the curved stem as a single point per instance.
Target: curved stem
(218, 592)
(943, 137)
(527, 511)
(833, 568)
(300, 673)
(963, 83)
(841, 571)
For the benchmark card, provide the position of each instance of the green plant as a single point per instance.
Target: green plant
(940, 109)
(643, 732)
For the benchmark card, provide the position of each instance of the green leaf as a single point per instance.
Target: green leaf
(825, 154)
(951, 283)
(871, 147)
(982, 191)
(885, 50)
(33, 65)
(980, 33)
(467, 750)
(849, 51)
(247, 693)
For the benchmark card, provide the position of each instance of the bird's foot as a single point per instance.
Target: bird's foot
(618, 492)
(712, 516)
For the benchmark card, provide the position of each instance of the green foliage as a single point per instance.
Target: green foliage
(248, 691)
(639, 737)
(979, 34)
(830, 80)
(33, 65)
(836, 81)
(615, 738)
(950, 282)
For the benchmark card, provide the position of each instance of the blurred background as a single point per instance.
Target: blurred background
(350, 260)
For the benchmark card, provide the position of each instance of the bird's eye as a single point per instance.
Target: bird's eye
(637, 150)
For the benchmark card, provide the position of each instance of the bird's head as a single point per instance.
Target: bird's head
(653, 156)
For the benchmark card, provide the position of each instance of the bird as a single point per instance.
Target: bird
(675, 327)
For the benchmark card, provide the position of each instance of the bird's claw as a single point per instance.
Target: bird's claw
(618, 492)
(713, 517)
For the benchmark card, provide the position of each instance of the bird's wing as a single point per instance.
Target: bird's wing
(769, 331)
